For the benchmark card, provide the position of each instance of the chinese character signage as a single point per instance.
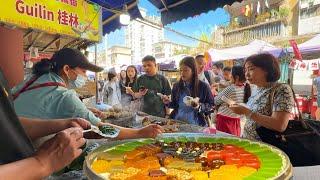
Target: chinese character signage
(74, 18)
(296, 50)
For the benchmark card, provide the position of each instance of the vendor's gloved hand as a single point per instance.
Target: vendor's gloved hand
(60, 150)
(150, 131)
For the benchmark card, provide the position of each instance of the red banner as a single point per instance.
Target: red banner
(296, 50)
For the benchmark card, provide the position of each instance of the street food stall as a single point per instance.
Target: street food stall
(184, 151)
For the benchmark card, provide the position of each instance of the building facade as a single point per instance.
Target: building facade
(167, 49)
(119, 56)
(269, 20)
(309, 17)
(141, 35)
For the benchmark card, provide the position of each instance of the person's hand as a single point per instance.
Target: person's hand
(61, 150)
(141, 93)
(78, 122)
(166, 99)
(214, 85)
(129, 90)
(240, 109)
(150, 131)
(96, 112)
(195, 104)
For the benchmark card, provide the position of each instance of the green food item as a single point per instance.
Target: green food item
(109, 130)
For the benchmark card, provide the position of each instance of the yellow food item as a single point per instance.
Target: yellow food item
(190, 166)
(126, 174)
(229, 168)
(179, 174)
(100, 166)
(245, 171)
(116, 163)
(199, 175)
(231, 172)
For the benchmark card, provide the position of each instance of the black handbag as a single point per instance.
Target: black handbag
(300, 141)
(14, 142)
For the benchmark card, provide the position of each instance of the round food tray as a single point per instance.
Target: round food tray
(275, 164)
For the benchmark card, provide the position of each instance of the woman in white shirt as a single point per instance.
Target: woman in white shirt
(111, 90)
(239, 92)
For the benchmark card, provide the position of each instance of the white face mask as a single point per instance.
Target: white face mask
(78, 82)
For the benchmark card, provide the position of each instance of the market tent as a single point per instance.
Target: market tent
(176, 59)
(239, 52)
(176, 10)
(310, 46)
(112, 9)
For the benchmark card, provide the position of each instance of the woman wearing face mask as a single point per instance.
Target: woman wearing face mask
(49, 93)
(189, 85)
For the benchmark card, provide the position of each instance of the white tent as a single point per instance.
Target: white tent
(254, 47)
(310, 46)
(315, 41)
(176, 59)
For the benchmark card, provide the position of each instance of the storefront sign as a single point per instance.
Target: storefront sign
(296, 50)
(74, 18)
(304, 65)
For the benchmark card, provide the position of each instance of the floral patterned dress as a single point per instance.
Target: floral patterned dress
(259, 103)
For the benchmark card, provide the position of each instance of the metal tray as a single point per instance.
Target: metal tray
(284, 174)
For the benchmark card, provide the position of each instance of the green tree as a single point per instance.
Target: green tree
(202, 46)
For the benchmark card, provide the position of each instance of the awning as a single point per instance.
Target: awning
(239, 52)
(309, 49)
(176, 10)
(111, 10)
(310, 46)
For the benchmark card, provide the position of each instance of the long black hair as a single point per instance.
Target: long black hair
(135, 76)
(190, 62)
(238, 72)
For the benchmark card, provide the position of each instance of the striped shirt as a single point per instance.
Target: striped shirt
(233, 92)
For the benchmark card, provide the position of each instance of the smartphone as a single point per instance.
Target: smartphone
(228, 101)
(142, 88)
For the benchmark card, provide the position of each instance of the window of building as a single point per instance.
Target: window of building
(312, 11)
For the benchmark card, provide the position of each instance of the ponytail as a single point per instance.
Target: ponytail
(247, 92)
(43, 67)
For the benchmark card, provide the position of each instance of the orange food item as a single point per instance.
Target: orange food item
(234, 160)
(134, 155)
(212, 155)
(253, 164)
(227, 154)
